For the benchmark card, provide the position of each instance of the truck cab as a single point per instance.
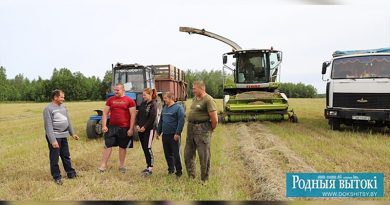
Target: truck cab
(358, 88)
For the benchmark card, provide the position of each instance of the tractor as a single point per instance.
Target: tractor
(135, 79)
(250, 83)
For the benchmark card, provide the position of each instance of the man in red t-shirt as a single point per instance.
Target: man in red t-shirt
(120, 130)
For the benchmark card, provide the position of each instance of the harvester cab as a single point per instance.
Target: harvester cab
(250, 83)
(135, 78)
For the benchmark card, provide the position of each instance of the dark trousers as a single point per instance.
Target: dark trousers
(55, 154)
(198, 139)
(146, 139)
(172, 153)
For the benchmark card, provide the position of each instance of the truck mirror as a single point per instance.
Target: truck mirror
(324, 66)
(224, 59)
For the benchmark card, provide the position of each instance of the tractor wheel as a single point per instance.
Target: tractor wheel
(334, 124)
(93, 129)
(294, 118)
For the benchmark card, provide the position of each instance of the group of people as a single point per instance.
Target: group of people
(125, 119)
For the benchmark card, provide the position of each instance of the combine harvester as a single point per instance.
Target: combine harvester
(250, 83)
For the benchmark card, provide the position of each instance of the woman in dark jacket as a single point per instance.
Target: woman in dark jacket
(146, 117)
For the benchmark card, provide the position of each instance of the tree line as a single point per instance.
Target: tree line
(78, 87)
(214, 85)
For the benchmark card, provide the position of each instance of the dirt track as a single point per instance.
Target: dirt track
(268, 160)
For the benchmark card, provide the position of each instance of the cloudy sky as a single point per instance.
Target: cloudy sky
(90, 35)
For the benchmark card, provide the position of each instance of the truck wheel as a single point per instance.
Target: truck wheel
(93, 129)
(334, 124)
(294, 118)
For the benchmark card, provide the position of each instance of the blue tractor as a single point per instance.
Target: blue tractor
(135, 78)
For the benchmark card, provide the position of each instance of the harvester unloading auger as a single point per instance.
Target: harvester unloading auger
(250, 83)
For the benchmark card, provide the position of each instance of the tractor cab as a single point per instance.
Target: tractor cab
(135, 79)
(251, 70)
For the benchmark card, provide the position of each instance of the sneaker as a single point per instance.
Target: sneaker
(204, 182)
(58, 181)
(170, 172)
(72, 176)
(122, 170)
(144, 171)
(178, 174)
(101, 170)
(147, 173)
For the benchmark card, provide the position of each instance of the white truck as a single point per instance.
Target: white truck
(358, 88)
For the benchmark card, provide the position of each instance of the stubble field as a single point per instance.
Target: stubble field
(249, 160)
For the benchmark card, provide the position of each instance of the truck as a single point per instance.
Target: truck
(358, 88)
(251, 79)
(135, 78)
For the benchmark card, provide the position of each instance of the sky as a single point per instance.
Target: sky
(90, 35)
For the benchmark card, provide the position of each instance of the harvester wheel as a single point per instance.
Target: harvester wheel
(220, 118)
(334, 124)
(92, 129)
(294, 118)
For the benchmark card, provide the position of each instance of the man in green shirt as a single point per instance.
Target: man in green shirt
(202, 120)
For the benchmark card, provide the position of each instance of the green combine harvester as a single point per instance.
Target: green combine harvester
(250, 83)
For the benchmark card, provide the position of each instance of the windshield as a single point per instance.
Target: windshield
(132, 79)
(251, 68)
(361, 67)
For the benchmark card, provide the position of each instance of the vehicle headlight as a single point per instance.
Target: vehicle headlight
(332, 113)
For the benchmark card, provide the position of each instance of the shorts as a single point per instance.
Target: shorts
(117, 136)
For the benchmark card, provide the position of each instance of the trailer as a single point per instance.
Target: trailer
(170, 78)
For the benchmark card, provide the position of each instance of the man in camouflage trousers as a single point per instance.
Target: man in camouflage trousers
(202, 120)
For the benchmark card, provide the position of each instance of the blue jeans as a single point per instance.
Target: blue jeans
(55, 154)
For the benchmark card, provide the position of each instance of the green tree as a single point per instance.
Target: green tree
(298, 90)
(105, 85)
(4, 87)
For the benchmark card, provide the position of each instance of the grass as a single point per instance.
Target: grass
(25, 173)
(333, 151)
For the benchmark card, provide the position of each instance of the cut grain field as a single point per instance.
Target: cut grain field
(325, 150)
(25, 173)
(249, 160)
